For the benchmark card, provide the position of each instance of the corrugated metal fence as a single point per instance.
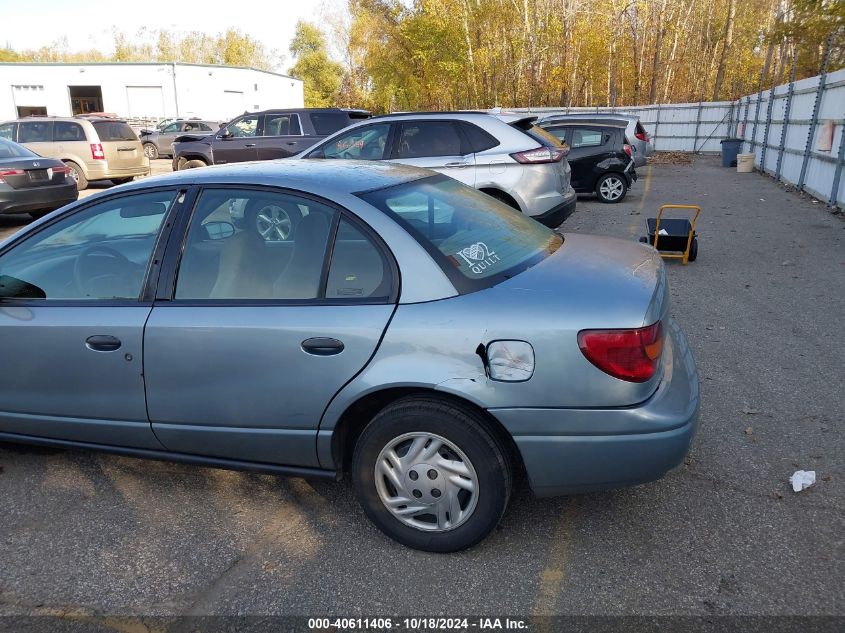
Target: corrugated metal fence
(796, 131)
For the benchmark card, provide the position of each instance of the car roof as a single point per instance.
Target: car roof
(313, 110)
(606, 122)
(321, 177)
(458, 115)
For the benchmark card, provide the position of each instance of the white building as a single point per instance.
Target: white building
(142, 90)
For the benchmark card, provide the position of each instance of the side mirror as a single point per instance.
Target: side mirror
(225, 133)
(219, 230)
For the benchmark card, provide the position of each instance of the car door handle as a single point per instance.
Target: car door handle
(103, 343)
(291, 143)
(321, 346)
(249, 145)
(460, 164)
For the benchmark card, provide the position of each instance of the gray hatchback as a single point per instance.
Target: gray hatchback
(406, 329)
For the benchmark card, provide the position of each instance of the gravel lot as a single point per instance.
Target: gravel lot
(723, 534)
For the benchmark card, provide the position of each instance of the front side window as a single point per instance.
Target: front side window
(247, 126)
(34, 132)
(364, 143)
(171, 129)
(476, 239)
(420, 139)
(99, 253)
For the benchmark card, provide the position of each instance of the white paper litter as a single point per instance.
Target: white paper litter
(802, 479)
(663, 232)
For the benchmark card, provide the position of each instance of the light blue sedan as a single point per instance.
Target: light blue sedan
(317, 318)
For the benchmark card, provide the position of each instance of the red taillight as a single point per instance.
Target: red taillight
(643, 136)
(627, 149)
(97, 152)
(539, 155)
(64, 169)
(10, 172)
(631, 355)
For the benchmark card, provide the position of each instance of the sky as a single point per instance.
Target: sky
(88, 23)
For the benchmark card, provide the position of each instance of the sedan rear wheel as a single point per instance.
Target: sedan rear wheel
(430, 475)
(611, 188)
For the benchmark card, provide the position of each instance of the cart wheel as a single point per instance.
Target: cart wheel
(643, 240)
(693, 250)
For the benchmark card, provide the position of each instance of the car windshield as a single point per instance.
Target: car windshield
(477, 240)
(114, 131)
(8, 149)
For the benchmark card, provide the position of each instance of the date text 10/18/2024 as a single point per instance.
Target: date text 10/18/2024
(415, 624)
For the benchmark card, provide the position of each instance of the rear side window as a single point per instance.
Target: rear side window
(8, 149)
(326, 123)
(358, 269)
(584, 137)
(66, 131)
(479, 140)
(281, 125)
(114, 131)
(419, 139)
(34, 132)
(477, 240)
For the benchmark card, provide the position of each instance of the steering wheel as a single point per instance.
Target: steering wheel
(87, 271)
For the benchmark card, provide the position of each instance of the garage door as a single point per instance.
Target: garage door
(233, 103)
(145, 101)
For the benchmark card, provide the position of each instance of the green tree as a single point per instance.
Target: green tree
(321, 75)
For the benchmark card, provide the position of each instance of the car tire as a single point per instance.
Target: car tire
(78, 175)
(465, 449)
(611, 188)
(150, 151)
(693, 250)
(122, 181)
(193, 164)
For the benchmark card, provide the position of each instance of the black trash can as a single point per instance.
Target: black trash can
(731, 147)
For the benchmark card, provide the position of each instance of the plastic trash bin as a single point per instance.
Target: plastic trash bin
(730, 148)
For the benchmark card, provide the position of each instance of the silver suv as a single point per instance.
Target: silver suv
(93, 147)
(506, 156)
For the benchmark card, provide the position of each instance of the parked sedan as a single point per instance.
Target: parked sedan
(505, 156)
(32, 184)
(161, 327)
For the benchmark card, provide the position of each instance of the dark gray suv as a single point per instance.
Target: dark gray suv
(262, 136)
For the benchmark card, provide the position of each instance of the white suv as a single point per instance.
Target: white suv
(506, 156)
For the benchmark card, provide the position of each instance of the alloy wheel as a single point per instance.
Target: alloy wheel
(273, 223)
(612, 188)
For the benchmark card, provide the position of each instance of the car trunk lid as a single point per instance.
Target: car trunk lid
(589, 283)
(29, 173)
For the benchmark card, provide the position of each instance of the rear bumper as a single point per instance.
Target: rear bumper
(100, 171)
(577, 450)
(555, 216)
(36, 198)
